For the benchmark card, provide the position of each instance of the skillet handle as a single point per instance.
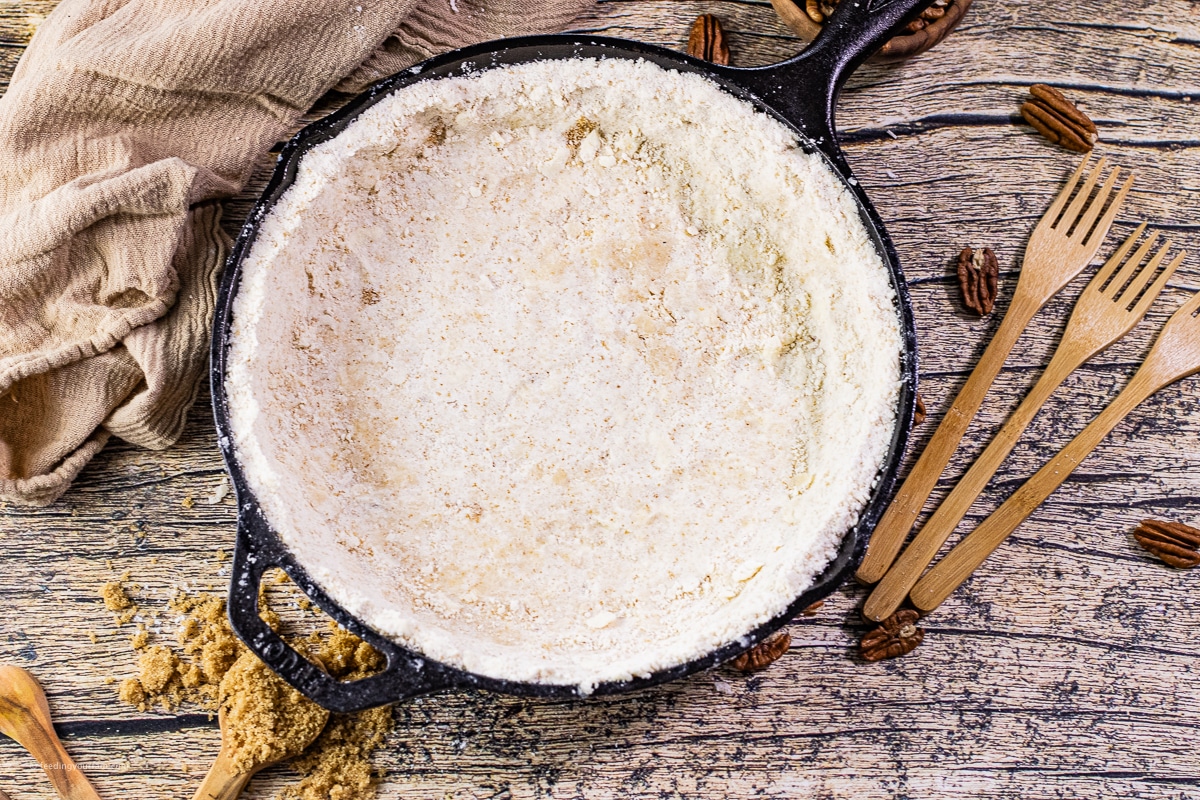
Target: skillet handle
(806, 88)
(406, 675)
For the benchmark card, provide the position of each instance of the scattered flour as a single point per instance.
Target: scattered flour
(566, 371)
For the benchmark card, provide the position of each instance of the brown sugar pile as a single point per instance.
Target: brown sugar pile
(266, 720)
(338, 765)
(208, 667)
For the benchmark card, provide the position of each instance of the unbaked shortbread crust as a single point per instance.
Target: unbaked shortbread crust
(563, 372)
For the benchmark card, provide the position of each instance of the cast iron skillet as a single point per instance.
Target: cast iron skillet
(801, 92)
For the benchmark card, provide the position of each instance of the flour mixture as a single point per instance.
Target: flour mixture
(564, 372)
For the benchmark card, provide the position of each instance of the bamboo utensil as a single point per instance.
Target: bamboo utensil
(25, 717)
(1112, 305)
(1174, 356)
(225, 781)
(1062, 244)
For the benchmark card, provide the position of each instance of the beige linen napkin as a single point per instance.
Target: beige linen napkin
(125, 123)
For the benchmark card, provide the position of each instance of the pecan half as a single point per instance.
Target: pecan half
(806, 17)
(978, 275)
(763, 654)
(919, 414)
(895, 636)
(1058, 119)
(1178, 545)
(819, 10)
(707, 40)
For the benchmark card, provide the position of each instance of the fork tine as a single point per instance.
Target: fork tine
(1131, 293)
(1193, 305)
(1073, 211)
(1101, 229)
(1156, 288)
(1060, 202)
(1129, 269)
(1095, 207)
(1101, 281)
(1189, 308)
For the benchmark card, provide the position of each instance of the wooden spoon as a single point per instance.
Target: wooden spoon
(25, 717)
(233, 768)
(223, 781)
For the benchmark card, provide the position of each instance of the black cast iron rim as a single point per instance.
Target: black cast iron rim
(408, 674)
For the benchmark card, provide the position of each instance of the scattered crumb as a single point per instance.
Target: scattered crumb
(206, 638)
(140, 639)
(222, 556)
(159, 668)
(92, 637)
(188, 503)
(344, 655)
(109, 680)
(108, 563)
(219, 492)
(115, 599)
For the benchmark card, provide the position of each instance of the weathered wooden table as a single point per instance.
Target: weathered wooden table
(1068, 667)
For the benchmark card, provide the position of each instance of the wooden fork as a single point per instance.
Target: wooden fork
(1174, 356)
(1062, 244)
(1112, 304)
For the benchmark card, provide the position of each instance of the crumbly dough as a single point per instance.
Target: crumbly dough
(564, 372)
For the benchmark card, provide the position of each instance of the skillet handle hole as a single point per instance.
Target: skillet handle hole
(313, 633)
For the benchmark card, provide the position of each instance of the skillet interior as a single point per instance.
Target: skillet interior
(259, 547)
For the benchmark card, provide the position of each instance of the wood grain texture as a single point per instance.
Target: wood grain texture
(1068, 666)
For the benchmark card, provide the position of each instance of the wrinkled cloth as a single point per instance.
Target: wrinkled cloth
(125, 124)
